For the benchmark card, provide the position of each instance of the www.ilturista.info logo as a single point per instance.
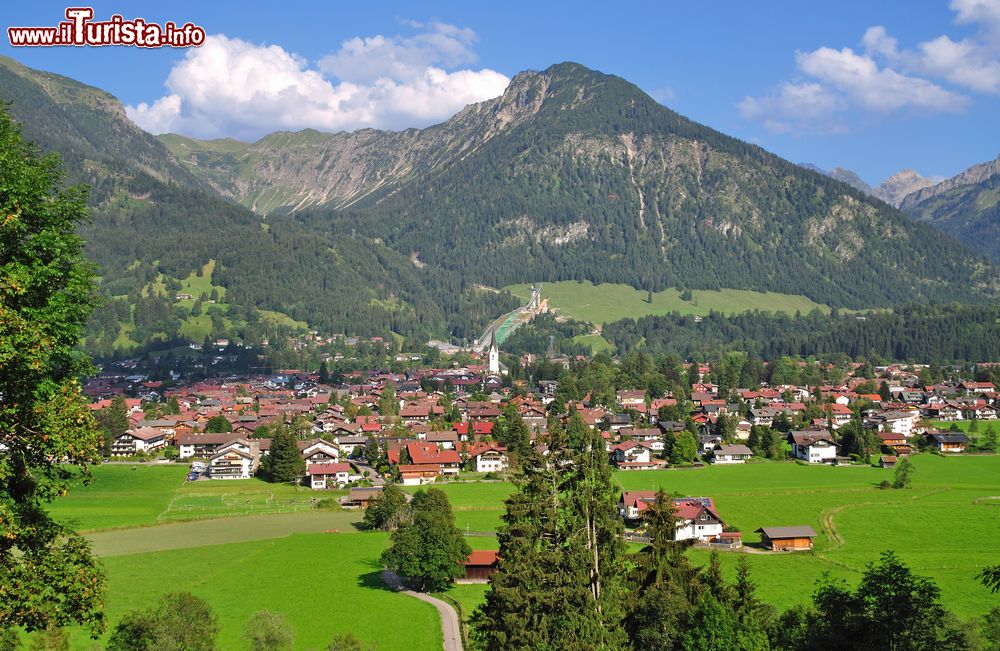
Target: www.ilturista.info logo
(79, 29)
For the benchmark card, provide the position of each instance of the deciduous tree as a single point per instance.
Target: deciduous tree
(48, 576)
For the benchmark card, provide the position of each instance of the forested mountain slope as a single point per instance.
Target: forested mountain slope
(594, 180)
(966, 206)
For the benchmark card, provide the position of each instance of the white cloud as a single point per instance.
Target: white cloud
(878, 89)
(884, 77)
(230, 87)
(794, 107)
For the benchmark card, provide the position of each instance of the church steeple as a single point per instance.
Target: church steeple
(494, 354)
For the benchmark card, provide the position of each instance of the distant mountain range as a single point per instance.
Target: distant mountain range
(966, 206)
(570, 175)
(892, 191)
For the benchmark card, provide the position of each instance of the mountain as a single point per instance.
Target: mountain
(154, 224)
(849, 177)
(594, 180)
(87, 126)
(895, 188)
(570, 175)
(966, 206)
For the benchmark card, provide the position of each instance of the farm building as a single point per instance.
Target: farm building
(480, 565)
(359, 497)
(787, 538)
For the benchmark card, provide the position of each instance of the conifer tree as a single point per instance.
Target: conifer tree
(284, 462)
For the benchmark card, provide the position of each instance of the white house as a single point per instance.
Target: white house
(320, 451)
(738, 453)
(897, 422)
(650, 435)
(138, 441)
(491, 458)
(238, 459)
(814, 446)
(632, 452)
(696, 519)
(328, 475)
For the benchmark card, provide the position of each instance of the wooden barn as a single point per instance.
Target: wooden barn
(787, 538)
(480, 565)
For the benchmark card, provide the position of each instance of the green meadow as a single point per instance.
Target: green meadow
(599, 304)
(323, 584)
(319, 570)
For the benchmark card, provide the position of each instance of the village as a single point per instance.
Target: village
(429, 425)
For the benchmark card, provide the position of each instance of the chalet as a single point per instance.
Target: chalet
(480, 566)
(489, 457)
(446, 440)
(320, 451)
(349, 443)
(787, 538)
(897, 442)
(738, 453)
(140, 440)
(897, 422)
(946, 411)
(632, 452)
(950, 442)
(696, 519)
(617, 422)
(446, 461)
(814, 446)
(839, 413)
(632, 399)
(328, 475)
(238, 459)
(410, 414)
(696, 516)
(650, 435)
(202, 445)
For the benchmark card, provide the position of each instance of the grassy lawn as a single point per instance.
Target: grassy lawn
(218, 531)
(146, 494)
(607, 302)
(121, 495)
(323, 584)
(477, 506)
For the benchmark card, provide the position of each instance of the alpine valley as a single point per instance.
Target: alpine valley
(571, 174)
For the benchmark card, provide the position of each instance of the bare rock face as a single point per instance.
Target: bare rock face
(895, 188)
(974, 175)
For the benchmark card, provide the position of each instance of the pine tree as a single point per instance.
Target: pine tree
(284, 462)
(560, 582)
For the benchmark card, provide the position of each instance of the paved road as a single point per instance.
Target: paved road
(449, 618)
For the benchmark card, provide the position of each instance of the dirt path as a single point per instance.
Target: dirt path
(449, 618)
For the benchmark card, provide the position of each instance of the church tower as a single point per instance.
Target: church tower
(494, 355)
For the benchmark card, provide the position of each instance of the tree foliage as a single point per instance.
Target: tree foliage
(429, 551)
(284, 462)
(47, 435)
(180, 621)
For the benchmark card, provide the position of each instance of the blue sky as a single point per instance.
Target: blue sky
(871, 86)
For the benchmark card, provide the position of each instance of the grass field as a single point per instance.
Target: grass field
(599, 304)
(147, 494)
(944, 527)
(855, 520)
(323, 584)
(121, 495)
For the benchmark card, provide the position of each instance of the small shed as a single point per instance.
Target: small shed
(787, 538)
(887, 461)
(480, 565)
